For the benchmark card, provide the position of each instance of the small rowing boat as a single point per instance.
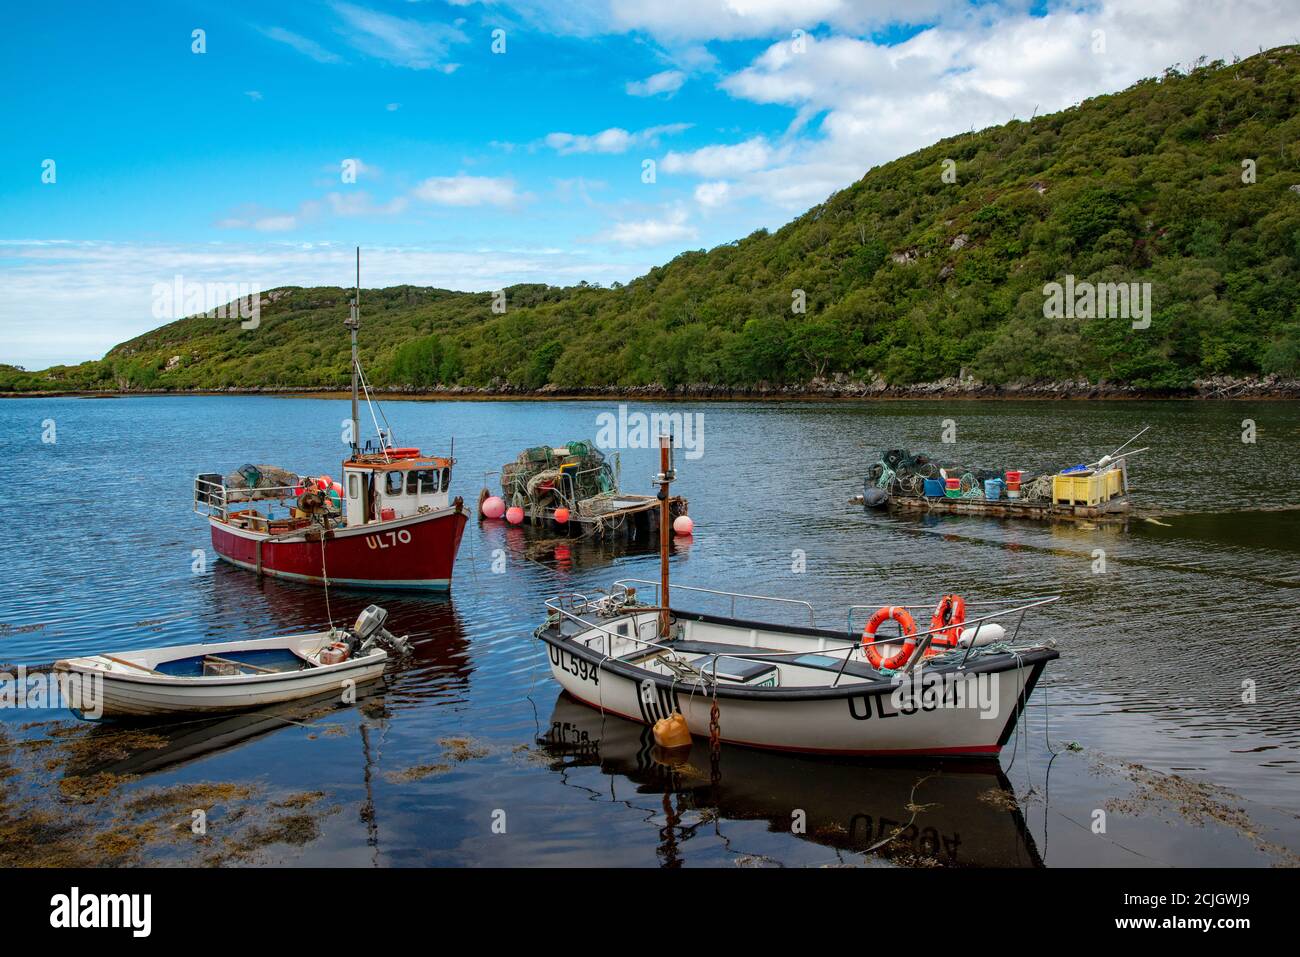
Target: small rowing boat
(222, 676)
(956, 688)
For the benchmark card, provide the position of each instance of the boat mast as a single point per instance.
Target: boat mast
(664, 479)
(354, 323)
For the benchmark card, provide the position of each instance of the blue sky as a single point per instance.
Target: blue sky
(475, 168)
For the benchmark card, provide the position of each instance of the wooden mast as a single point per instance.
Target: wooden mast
(664, 479)
(354, 323)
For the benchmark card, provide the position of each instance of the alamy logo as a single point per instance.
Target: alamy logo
(219, 300)
(83, 694)
(639, 430)
(75, 909)
(1103, 300)
(931, 691)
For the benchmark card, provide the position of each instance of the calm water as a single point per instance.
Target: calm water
(1144, 710)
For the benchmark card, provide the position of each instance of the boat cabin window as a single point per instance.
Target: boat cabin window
(354, 487)
(446, 478)
(421, 481)
(393, 483)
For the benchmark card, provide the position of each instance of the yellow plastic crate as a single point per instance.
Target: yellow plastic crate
(1114, 483)
(1078, 488)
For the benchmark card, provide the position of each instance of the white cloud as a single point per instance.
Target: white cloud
(303, 45)
(976, 68)
(68, 301)
(253, 95)
(360, 204)
(669, 81)
(613, 140)
(401, 41)
(463, 190)
(679, 20)
(712, 195)
(716, 161)
(671, 228)
(254, 217)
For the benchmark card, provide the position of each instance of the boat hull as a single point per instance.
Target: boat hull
(133, 692)
(415, 553)
(870, 719)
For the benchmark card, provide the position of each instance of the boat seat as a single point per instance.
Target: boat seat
(810, 660)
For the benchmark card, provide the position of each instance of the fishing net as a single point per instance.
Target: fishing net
(563, 475)
(251, 482)
(899, 472)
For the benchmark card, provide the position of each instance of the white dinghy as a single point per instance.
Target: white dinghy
(225, 676)
(957, 688)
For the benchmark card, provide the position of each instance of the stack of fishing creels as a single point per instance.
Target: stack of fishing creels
(251, 482)
(901, 473)
(532, 479)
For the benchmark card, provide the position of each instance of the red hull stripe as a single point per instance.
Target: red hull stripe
(975, 749)
(414, 555)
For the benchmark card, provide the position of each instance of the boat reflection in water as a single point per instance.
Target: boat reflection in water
(954, 814)
(569, 554)
(109, 749)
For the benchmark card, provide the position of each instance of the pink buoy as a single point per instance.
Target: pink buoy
(562, 516)
(683, 525)
(515, 515)
(494, 506)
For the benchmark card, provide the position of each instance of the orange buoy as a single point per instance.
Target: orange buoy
(515, 515)
(949, 615)
(905, 621)
(683, 525)
(562, 516)
(494, 506)
(671, 732)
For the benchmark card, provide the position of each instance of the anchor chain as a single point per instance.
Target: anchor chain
(715, 744)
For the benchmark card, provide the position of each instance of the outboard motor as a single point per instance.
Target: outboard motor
(368, 630)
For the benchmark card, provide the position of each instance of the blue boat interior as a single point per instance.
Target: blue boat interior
(270, 659)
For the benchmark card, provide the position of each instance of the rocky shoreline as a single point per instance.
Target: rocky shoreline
(839, 387)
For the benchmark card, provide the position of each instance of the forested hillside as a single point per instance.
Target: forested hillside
(907, 278)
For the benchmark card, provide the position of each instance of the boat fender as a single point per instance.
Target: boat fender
(949, 615)
(989, 632)
(875, 498)
(671, 732)
(905, 621)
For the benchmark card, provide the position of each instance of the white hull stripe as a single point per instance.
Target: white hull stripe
(415, 584)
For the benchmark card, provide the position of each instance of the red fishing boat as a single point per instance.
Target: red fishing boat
(389, 524)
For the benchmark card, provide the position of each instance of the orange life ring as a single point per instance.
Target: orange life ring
(949, 615)
(905, 621)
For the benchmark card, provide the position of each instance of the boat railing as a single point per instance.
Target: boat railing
(923, 639)
(812, 613)
(213, 499)
(923, 606)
